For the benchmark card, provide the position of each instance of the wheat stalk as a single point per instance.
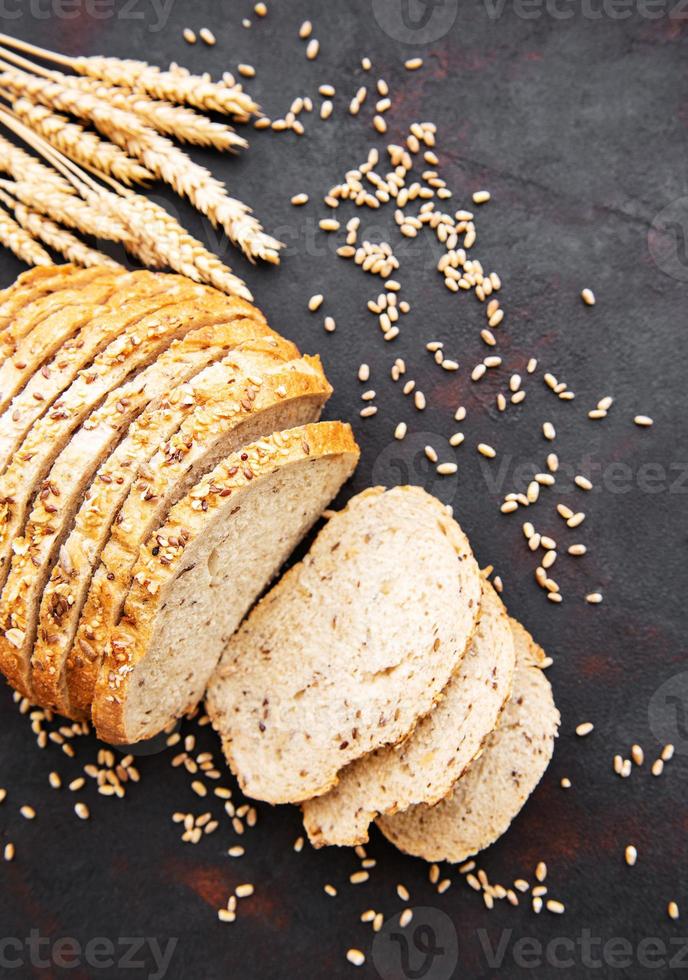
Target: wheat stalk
(24, 246)
(68, 210)
(22, 166)
(79, 144)
(61, 240)
(171, 86)
(173, 120)
(180, 250)
(159, 155)
(154, 236)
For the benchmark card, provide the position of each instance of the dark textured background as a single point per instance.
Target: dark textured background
(577, 126)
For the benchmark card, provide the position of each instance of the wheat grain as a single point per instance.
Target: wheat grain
(19, 241)
(159, 155)
(61, 240)
(79, 144)
(174, 120)
(171, 86)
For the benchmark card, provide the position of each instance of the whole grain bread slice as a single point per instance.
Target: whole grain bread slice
(47, 335)
(229, 416)
(134, 298)
(350, 649)
(59, 494)
(37, 283)
(210, 392)
(424, 768)
(199, 573)
(485, 801)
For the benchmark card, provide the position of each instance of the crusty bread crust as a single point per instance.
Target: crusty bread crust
(141, 295)
(64, 595)
(47, 436)
(487, 798)
(300, 383)
(30, 286)
(33, 314)
(46, 337)
(38, 282)
(425, 766)
(161, 558)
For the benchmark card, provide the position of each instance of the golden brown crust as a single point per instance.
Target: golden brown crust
(32, 310)
(157, 565)
(112, 580)
(60, 674)
(209, 306)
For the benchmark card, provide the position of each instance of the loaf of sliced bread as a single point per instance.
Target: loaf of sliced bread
(130, 353)
(350, 649)
(126, 307)
(265, 360)
(424, 768)
(485, 801)
(35, 550)
(46, 337)
(198, 574)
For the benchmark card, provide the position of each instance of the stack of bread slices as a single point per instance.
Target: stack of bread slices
(160, 459)
(381, 679)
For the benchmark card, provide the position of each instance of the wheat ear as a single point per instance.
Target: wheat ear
(19, 241)
(79, 144)
(71, 211)
(22, 166)
(171, 86)
(180, 250)
(159, 155)
(173, 120)
(61, 240)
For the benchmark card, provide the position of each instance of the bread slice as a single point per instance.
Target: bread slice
(351, 647)
(227, 420)
(132, 351)
(488, 797)
(39, 282)
(34, 552)
(48, 334)
(264, 361)
(147, 293)
(199, 573)
(424, 768)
